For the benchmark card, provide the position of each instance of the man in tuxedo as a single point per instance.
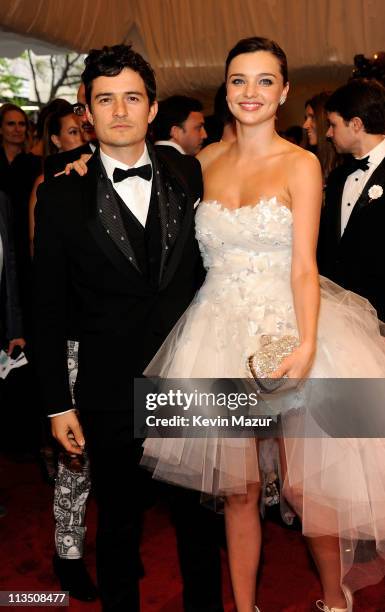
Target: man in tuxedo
(350, 248)
(179, 126)
(121, 239)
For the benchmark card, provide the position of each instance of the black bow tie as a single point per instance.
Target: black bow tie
(144, 172)
(358, 164)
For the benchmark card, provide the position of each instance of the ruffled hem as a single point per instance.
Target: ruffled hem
(336, 485)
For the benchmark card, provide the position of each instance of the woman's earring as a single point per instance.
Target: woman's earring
(282, 100)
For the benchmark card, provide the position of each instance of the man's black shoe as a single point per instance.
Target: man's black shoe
(74, 578)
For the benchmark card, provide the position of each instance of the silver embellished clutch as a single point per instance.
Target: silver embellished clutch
(268, 358)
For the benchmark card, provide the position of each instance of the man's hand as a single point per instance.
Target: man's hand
(67, 430)
(15, 342)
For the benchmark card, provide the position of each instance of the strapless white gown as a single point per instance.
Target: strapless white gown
(336, 485)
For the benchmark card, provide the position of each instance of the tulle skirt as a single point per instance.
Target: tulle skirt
(335, 484)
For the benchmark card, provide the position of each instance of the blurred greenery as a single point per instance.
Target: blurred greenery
(10, 85)
(51, 76)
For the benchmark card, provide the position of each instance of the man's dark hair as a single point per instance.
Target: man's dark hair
(173, 111)
(110, 61)
(363, 98)
(257, 43)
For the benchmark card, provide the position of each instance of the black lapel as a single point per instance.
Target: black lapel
(171, 196)
(337, 210)
(91, 193)
(111, 219)
(336, 191)
(377, 178)
(160, 190)
(181, 202)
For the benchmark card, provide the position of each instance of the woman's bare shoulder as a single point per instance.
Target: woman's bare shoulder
(300, 156)
(303, 171)
(210, 153)
(299, 162)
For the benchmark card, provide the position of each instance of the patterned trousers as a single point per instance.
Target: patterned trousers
(72, 487)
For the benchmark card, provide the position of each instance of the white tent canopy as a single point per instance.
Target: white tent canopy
(12, 45)
(186, 41)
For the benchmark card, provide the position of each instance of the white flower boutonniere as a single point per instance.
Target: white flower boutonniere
(375, 192)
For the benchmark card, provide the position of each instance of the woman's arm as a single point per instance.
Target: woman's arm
(305, 188)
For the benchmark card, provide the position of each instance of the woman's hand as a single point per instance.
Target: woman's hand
(79, 165)
(297, 364)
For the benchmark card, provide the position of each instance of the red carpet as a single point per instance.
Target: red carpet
(287, 582)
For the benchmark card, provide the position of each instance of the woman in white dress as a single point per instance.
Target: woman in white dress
(257, 229)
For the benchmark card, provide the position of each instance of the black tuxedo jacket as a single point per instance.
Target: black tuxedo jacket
(122, 319)
(357, 259)
(57, 162)
(10, 314)
(172, 155)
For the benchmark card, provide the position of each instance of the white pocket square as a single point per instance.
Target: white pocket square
(196, 203)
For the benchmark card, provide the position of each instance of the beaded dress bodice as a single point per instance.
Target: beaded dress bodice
(247, 255)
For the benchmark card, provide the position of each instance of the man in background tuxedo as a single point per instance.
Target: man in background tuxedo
(179, 127)
(121, 238)
(351, 241)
